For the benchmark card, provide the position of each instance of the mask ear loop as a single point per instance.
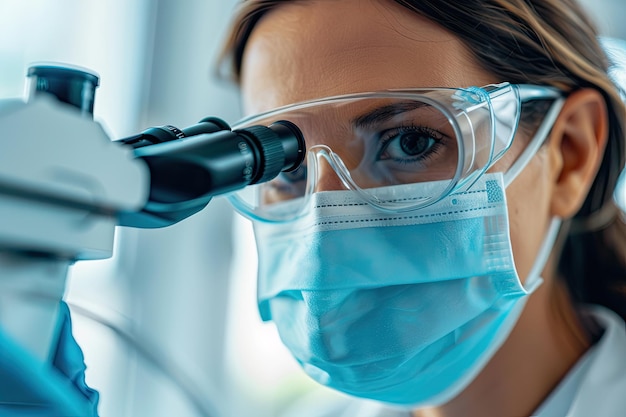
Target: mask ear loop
(533, 279)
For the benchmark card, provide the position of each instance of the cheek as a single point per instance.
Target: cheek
(528, 201)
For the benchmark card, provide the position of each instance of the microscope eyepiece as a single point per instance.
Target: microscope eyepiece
(72, 85)
(190, 166)
(278, 147)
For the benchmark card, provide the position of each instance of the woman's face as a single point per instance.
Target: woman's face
(312, 49)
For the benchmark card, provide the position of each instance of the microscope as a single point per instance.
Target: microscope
(65, 186)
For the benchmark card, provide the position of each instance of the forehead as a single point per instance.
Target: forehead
(316, 48)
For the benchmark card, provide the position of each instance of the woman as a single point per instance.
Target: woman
(386, 261)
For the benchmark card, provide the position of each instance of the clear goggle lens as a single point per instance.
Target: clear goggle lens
(373, 143)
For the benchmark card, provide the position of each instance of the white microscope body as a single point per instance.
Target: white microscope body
(62, 182)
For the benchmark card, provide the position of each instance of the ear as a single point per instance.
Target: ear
(576, 147)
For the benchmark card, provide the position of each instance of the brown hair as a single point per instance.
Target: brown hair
(545, 42)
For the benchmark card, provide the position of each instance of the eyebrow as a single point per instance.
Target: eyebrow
(385, 113)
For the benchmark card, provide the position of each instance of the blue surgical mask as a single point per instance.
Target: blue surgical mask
(402, 308)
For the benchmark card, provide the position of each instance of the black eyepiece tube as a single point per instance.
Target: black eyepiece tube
(186, 173)
(166, 133)
(292, 141)
(280, 147)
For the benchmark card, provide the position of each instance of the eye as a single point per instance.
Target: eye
(286, 185)
(297, 175)
(409, 144)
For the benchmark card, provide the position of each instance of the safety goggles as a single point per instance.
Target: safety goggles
(379, 141)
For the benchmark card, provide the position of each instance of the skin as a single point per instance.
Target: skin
(312, 49)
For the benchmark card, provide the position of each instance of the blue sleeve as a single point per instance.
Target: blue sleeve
(69, 358)
(28, 389)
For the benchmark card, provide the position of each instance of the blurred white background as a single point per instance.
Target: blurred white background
(187, 291)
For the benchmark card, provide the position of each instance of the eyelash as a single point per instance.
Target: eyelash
(386, 136)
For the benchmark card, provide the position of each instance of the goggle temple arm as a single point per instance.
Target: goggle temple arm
(540, 137)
